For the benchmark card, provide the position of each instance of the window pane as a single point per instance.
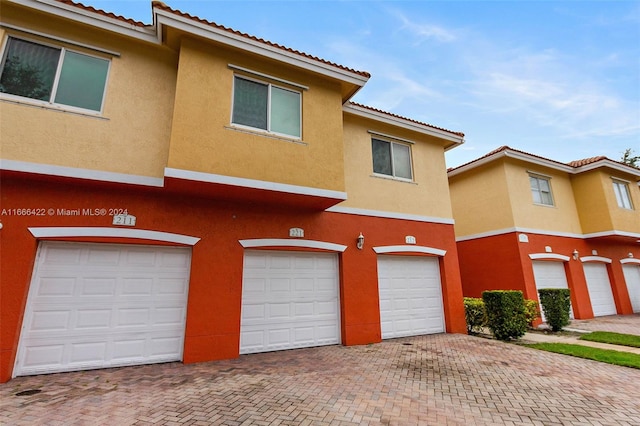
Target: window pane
(381, 157)
(250, 103)
(82, 81)
(402, 161)
(285, 111)
(29, 69)
(622, 195)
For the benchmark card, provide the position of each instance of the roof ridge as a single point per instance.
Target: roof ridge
(406, 118)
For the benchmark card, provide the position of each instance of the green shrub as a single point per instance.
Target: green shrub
(531, 311)
(474, 314)
(556, 303)
(505, 313)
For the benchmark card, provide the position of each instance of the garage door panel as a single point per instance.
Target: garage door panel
(599, 287)
(549, 274)
(88, 307)
(632, 278)
(289, 300)
(410, 296)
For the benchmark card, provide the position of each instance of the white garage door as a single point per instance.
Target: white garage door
(104, 305)
(632, 277)
(289, 300)
(599, 287)
(410, 296)
(550, 275)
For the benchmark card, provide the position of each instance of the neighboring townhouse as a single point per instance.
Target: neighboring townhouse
(525, 222)
(185, 192)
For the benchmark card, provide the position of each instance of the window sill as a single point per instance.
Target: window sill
(51, 107)
(545, 205)
(266, 135)
(395, 179)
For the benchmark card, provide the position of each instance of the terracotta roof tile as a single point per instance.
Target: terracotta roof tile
(407, 119)
(161, 5)
(585, 161)
(103, 13)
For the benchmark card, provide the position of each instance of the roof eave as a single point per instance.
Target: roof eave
(610, 164)
(93, 19)
(511, 154)
(454, 139)
(169, 19)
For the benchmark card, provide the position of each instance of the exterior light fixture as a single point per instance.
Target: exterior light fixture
(575, 254)
(360, 241)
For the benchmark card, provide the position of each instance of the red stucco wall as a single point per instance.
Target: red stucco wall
(213, 316)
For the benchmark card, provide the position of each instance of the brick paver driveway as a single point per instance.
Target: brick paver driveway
(437, 379)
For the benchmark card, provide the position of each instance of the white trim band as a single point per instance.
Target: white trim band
(143, 234)
(612, 233)
(282, 242)
(72, 172)
(625, 261)
(253, 184)
(409, 249)
(389, 215)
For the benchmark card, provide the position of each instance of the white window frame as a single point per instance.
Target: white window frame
(270, 86)
(50, 103)
(540, 177)
(622, 193)
(393, 166)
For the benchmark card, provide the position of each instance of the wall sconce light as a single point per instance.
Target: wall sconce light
(575, 254)
(360, 241)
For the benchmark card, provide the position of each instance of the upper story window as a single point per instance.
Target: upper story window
(623, 196)
(391, 159)
(54, 75)
(541, 190)
(266, 107)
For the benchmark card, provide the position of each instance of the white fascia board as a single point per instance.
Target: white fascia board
(252, 183)
(165, 18)
(399, 122)
(92, 19)
(612, 233)
(512, 154)
(101, 232)
(390, 215)
(77, 173)
(610, 164)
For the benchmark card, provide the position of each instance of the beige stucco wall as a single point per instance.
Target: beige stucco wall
(561, 217)
(599, 210)
(204, 140)
(480, 200)
(132, 134)
(427, 195)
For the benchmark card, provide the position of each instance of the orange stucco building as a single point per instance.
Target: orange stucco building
(185, 192)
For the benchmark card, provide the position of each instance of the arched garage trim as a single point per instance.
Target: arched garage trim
(144, 234)
(409, 249)
(548, 256)
(282, 242)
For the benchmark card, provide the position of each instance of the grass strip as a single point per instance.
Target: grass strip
(613, 338)
(624, 359)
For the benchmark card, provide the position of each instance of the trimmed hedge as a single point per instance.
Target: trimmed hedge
(474, 314)
(505, 313)
(556, 303)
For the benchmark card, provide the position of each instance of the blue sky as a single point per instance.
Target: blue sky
(560, 79)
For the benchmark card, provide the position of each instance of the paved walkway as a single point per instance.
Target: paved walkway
(427, 380)
(626, 324)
